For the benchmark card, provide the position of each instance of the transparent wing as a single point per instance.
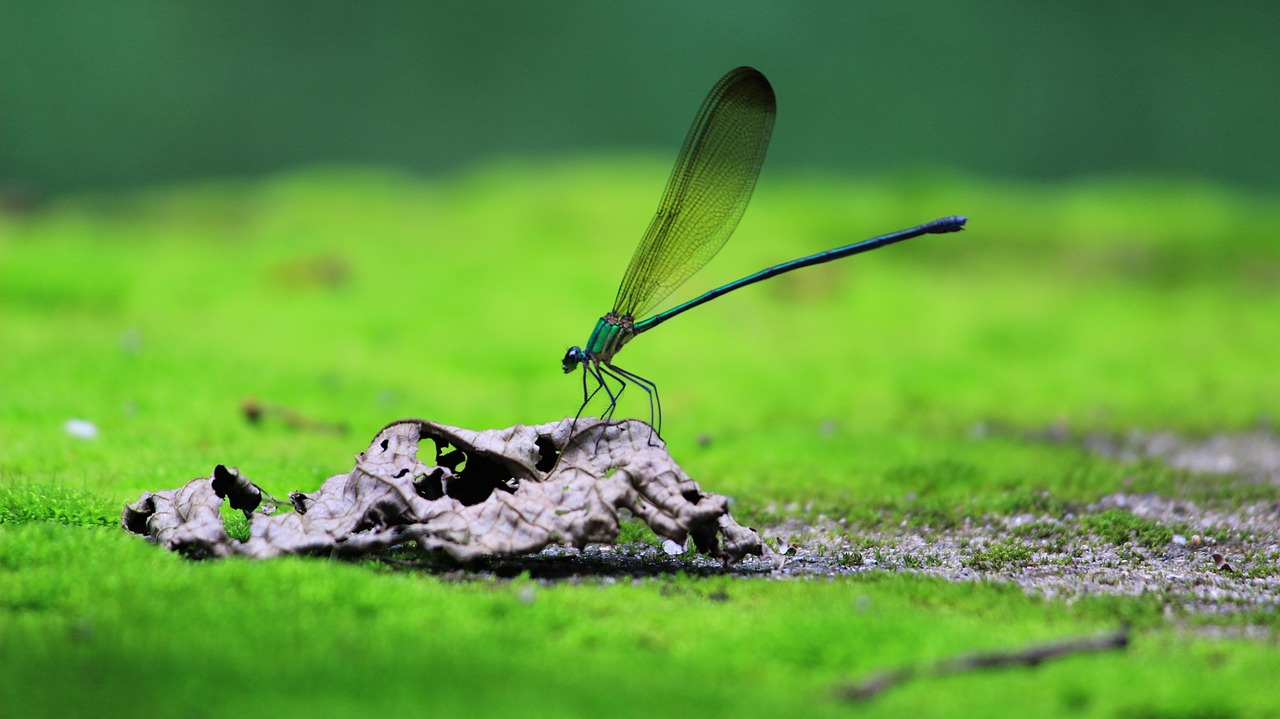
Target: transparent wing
(707, 192)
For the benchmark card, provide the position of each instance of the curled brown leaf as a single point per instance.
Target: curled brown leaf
(479, 493)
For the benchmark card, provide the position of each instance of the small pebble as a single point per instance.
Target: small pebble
(81, 429)
(131, 341)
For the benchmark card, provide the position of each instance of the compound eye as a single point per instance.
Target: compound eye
(572, 359)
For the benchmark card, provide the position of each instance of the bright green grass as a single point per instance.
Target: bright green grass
(853, 389)
(94, 618)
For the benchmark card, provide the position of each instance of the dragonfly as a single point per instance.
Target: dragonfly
(705, 197)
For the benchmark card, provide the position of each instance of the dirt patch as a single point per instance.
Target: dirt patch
(1253, 456)
(1229, 569)
(1205, 561)
(1223, 559)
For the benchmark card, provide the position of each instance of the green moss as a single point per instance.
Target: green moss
(1037, 530)
(929, 383)
(1120, 526)
(635, 531)
(51, 503)
(1000, 555)
(1259, 565)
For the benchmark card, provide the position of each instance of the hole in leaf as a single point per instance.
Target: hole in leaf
(239, 491)
(477, 480)
(136, 520)
(474, 476)
(430, 486)
(450, 457)
(547, 454)
(300, 501)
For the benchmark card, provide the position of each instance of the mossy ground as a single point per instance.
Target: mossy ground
(865, 390)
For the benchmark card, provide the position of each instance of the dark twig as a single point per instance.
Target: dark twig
(872, 685)
(256, 411)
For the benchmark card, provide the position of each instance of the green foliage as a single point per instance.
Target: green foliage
(634, 531)
(1000, 555)
(45, 503)
(1119, 526)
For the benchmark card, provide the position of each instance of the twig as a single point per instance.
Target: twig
(256, 411)
(872, 685)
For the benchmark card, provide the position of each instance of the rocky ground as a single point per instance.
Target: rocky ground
(1206, 560)
(1201, 560)
(1061, 558)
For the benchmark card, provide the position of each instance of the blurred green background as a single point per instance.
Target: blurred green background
(135, 92)
(359, 212)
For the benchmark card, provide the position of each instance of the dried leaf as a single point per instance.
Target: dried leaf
(486, 493)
